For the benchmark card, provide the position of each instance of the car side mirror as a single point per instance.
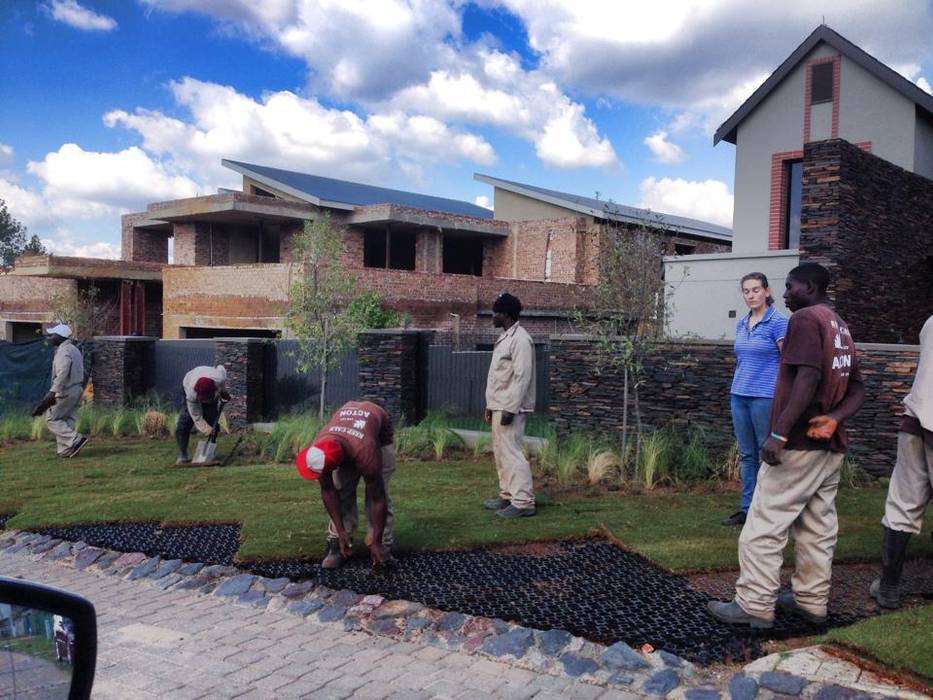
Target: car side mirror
(48, 642)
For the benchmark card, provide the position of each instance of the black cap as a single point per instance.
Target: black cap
(505, 303)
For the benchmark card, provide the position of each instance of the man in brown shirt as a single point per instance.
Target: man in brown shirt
(818, 388)
(356, 442)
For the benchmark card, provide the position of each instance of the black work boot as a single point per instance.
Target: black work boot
(332, 558)
(886, 589)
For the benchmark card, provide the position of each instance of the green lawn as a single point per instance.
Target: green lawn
(901, 640)
(437, 505)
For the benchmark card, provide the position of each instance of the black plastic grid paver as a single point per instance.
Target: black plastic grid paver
(591, 588)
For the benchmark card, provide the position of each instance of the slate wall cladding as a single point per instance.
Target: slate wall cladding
(689, 383)
(389, 364)
(243, 359)
(871, 224)
(118, 368)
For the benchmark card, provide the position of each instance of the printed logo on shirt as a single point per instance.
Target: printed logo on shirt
(842, 359)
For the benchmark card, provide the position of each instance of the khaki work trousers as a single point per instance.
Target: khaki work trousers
(796, 497)
(346, 479)
(61, 419)
(514, 470)
(911, 485)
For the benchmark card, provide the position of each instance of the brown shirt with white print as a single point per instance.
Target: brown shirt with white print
(816, 337)
(362, 428)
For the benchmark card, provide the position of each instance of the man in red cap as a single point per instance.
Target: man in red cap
(357, 442)
(202, 387)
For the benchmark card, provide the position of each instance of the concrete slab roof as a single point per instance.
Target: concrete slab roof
(229, 207)
(86, 268)
(390, 214)
(343, 194)
(924, 100)
(607, 210)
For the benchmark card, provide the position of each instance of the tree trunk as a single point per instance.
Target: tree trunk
(624, 424)
(323, 371)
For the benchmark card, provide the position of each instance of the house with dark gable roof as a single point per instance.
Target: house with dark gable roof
(833, 164)
(220, 265)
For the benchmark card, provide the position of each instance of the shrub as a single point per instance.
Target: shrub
(572, 457)
(152, 424)
(654, 458)
(689, 457)
(482, 445)
(15, 426)
(291, 435)
(601, 463)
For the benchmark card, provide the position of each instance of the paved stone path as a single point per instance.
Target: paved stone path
(184, 645)
(167, 630)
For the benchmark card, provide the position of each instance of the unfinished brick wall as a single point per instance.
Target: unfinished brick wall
(29, 299)
(256, 296)
(141, 245)
(528, 246)
(201, 243)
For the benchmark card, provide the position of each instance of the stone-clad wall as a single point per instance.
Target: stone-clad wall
(871, 224)
(689, 383)
(120, 367)
(389, 372)
(243, 360)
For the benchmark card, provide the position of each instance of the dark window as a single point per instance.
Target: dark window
(23, 332)
(793, 172)
(395, 247)
(821, 83)
(684, 249)
(374, 249)
(198, 332)
(463, 256)
(402, 250)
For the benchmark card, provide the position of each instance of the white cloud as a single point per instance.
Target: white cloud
(76, 15)
(707, 200)
(354, 48)
(291, 132)
(664, 151)
(415, 62)
(490, 87)
(483, 201)
(63, 242)
(23, 204)
(693, 54)
(924, 84)
(87, 184)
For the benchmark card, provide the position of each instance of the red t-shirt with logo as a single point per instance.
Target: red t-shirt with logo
(816, 337)
(362, 428)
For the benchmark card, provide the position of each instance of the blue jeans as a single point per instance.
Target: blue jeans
(751, 417)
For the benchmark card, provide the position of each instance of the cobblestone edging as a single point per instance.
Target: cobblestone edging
(552, 652)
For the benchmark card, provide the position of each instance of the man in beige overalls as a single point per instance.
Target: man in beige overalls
(510, 397)
(911, 486)
(818, 388)
(60, 405)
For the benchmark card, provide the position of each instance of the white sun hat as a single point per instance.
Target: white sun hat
(62, 329)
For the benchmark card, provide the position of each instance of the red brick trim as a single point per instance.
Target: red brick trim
(776, 212)
(808, 76)
(865, 146)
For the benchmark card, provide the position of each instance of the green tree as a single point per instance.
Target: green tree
(12, 237)
(629, 306)
(318, 300)
(368, 311)
(34, 247)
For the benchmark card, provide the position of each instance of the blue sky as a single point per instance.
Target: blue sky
(112, 104)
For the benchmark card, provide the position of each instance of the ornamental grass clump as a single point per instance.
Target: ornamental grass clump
(601, 464)
(290, 436)
(152, 424)
(654, 458)
(15, 426)
(572, 458)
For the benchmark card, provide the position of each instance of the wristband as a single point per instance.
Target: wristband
(779, 437)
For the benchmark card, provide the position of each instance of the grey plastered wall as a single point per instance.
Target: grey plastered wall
(704, 288)
(923, 146)
(775, 126)
(510, 206)
(871, 111)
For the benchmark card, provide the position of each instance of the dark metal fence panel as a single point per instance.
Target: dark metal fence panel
(296, 392)
(457, 380)
(172, 359)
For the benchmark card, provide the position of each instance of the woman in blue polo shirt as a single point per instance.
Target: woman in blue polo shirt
(758, 339)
